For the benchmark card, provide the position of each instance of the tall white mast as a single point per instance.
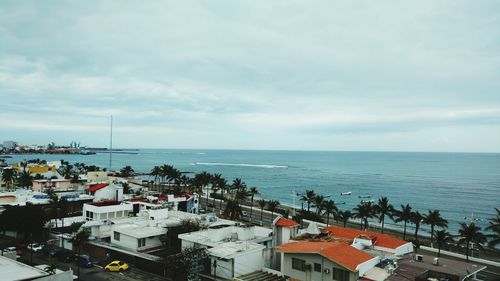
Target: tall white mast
(111, 145)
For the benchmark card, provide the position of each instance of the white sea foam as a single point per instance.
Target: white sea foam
(242, 165)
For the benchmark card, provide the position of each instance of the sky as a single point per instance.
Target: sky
(288, 75)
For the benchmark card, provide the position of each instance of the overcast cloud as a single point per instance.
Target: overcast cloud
(311, 75)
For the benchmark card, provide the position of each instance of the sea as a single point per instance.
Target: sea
(465, 187)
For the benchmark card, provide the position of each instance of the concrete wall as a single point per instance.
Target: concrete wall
(311, 275)
(97, 176)
(129, 242)
(109, 193)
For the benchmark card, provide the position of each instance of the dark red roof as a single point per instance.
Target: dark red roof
(96, 187)
(378, 239)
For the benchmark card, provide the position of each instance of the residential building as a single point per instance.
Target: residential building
(233, 248)
(106, 191)
(139, 236)
(96, 177)
(314, 261)
(9, 145)
(54, 184)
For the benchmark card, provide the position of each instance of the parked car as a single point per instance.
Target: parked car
(65, 255)
(85, 261)
(9, 249)
(116, 266)
(35, 247)
(48, 250)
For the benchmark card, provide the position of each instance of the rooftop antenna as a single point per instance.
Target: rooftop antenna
(111, 145)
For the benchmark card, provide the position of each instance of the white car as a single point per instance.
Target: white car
(9, 249)
(35, 247)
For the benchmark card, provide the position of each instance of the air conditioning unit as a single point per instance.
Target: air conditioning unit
(435, 261)
(326, 271)
(419, 257)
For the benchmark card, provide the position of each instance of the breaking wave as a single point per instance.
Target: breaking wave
(242, 165)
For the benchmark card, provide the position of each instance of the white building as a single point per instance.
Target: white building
(14, 270)
(140, 237)
(235, 249)
(106, 191)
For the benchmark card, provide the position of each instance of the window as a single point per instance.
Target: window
(89, 215)
(340, 275)
(119, 214)
(116, 235)
(111, 215)
(299, 264)
(317, 267)
(103, 216)
(141, 242)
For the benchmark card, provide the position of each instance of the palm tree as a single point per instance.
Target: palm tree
(237, 185)
(272, 205)
(222, 184)
(24, 179)
(127, 171)
(345, 216)
(233, 209)
(442, 237)
(67, 171)
(262, 204)
(470, 234)
(330, 208)
(416, 219)
(8, 176)
(494, 226)
(433, 218)
(155, 172)
(383, 209)
(252, 192)
(308, 197)
(403, 215)
(78, 240)
(364, 211)
(318, 203)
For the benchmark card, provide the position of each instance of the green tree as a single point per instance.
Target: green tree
(433, 218)
(416, 219)
(318, 203)
(262, 204)
(470, 234)
(383, 209)
(272, 205)
(494, 226)
(127, 172)
(182, 266)
(403, 215)
(442, 237)
(345, 216)
(233, 209)
(364, 211)
(24, 179)
(252, 192)
(78, 240)
(330, 208)
(308, 198)
(8, 176)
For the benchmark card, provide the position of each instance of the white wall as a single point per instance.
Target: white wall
(364, 267)
(248, 263)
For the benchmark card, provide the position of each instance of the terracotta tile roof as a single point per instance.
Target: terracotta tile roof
(340, 253)
(283, 222)
(378, 239)
(96, 187)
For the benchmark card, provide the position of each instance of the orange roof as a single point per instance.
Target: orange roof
(286, 222)
(340, 253)
(378, 239)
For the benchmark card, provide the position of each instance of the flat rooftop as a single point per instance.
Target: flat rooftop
(409, 268)
(14, 270)
(231, 249)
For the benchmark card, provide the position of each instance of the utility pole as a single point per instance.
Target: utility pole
(215, 269)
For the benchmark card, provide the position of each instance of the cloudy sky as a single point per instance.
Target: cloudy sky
(308, 75)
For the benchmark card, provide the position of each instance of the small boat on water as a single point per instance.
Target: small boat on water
(364, 196)
(345, 193)
(367, 201)
(340, 203)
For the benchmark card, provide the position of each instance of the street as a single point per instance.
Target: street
(95, 273)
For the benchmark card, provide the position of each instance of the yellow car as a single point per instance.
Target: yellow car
(116, 266)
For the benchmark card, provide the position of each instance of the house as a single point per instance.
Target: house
(139, 236)
(105, 191)
(97, 176)
(233, 248)
(311, 260)
(178, 201)
(98, 214)
(55, 184)
(284, 230)
(362, 239)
